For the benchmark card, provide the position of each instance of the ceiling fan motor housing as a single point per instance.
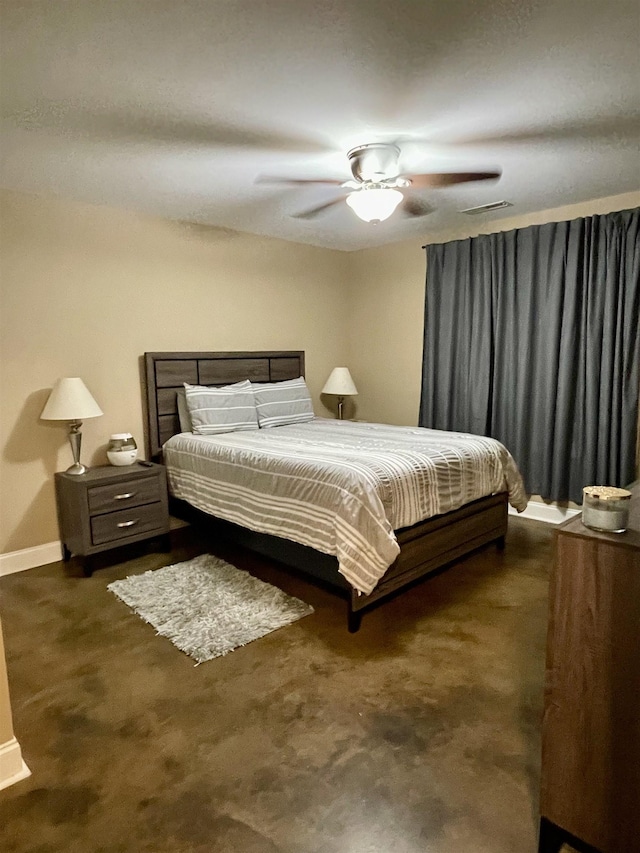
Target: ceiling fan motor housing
(375, 162)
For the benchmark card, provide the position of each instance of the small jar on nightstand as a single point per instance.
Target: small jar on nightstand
(122, 449)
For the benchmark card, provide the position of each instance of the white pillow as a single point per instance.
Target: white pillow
(280, 403)
(224, 409)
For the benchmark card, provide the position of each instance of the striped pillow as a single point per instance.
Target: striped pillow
(225, 409)
(280, 403)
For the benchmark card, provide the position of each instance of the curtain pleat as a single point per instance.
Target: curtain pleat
(532, 336)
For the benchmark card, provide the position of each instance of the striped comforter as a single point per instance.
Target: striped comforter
(337, 486)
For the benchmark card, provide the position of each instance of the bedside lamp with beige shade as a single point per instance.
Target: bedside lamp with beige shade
(341, 385)
(70, 400)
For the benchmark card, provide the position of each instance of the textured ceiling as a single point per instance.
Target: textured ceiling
(175, 107)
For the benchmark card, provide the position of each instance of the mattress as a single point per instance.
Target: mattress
(340, 487)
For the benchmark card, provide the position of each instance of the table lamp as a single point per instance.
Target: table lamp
(70, 400)
(341, 385)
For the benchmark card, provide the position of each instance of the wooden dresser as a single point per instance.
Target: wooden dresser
(590, 789)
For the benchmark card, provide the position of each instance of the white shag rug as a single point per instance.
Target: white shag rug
(207, 607)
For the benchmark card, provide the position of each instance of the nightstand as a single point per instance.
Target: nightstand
(111, 506)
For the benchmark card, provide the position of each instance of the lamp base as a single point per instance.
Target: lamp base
(75, 440)
(76, 468)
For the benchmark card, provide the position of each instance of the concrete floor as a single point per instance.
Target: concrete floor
(419, 734)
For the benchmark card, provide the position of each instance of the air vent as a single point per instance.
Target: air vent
(484, 208)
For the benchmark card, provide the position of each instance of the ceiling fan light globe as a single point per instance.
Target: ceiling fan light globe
(374, 204)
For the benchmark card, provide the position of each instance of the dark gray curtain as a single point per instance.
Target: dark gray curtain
(533, 337)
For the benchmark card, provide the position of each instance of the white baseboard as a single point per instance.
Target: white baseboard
(550, 513)
(29, 558)
(12, 767)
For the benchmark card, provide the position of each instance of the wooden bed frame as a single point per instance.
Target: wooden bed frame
(424, 547)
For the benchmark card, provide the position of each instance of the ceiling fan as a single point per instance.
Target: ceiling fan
(376, 189)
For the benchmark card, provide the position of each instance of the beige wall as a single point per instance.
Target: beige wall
(87, 290)
(6, 723)
(386, 310)
(12, 767)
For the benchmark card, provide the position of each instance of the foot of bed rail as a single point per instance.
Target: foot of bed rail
(354, 620)
(551, 838)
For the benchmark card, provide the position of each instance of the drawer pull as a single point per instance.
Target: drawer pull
(124, 496)
(127, 523)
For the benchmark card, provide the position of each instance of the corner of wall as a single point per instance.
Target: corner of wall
(12, 766)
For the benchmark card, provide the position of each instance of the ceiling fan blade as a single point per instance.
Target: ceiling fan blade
(315, 211)
(615, 125)
(447, 179)
(412, 206)
(268, 179)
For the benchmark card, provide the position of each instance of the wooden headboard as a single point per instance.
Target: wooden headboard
(166, 371)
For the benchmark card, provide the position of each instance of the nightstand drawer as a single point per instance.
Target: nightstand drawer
(124, 493)
(128, 522)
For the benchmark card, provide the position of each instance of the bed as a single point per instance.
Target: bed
(413, 550)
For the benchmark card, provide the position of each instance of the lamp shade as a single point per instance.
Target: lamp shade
(70, 400)
(374, 204)
(340, 383)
